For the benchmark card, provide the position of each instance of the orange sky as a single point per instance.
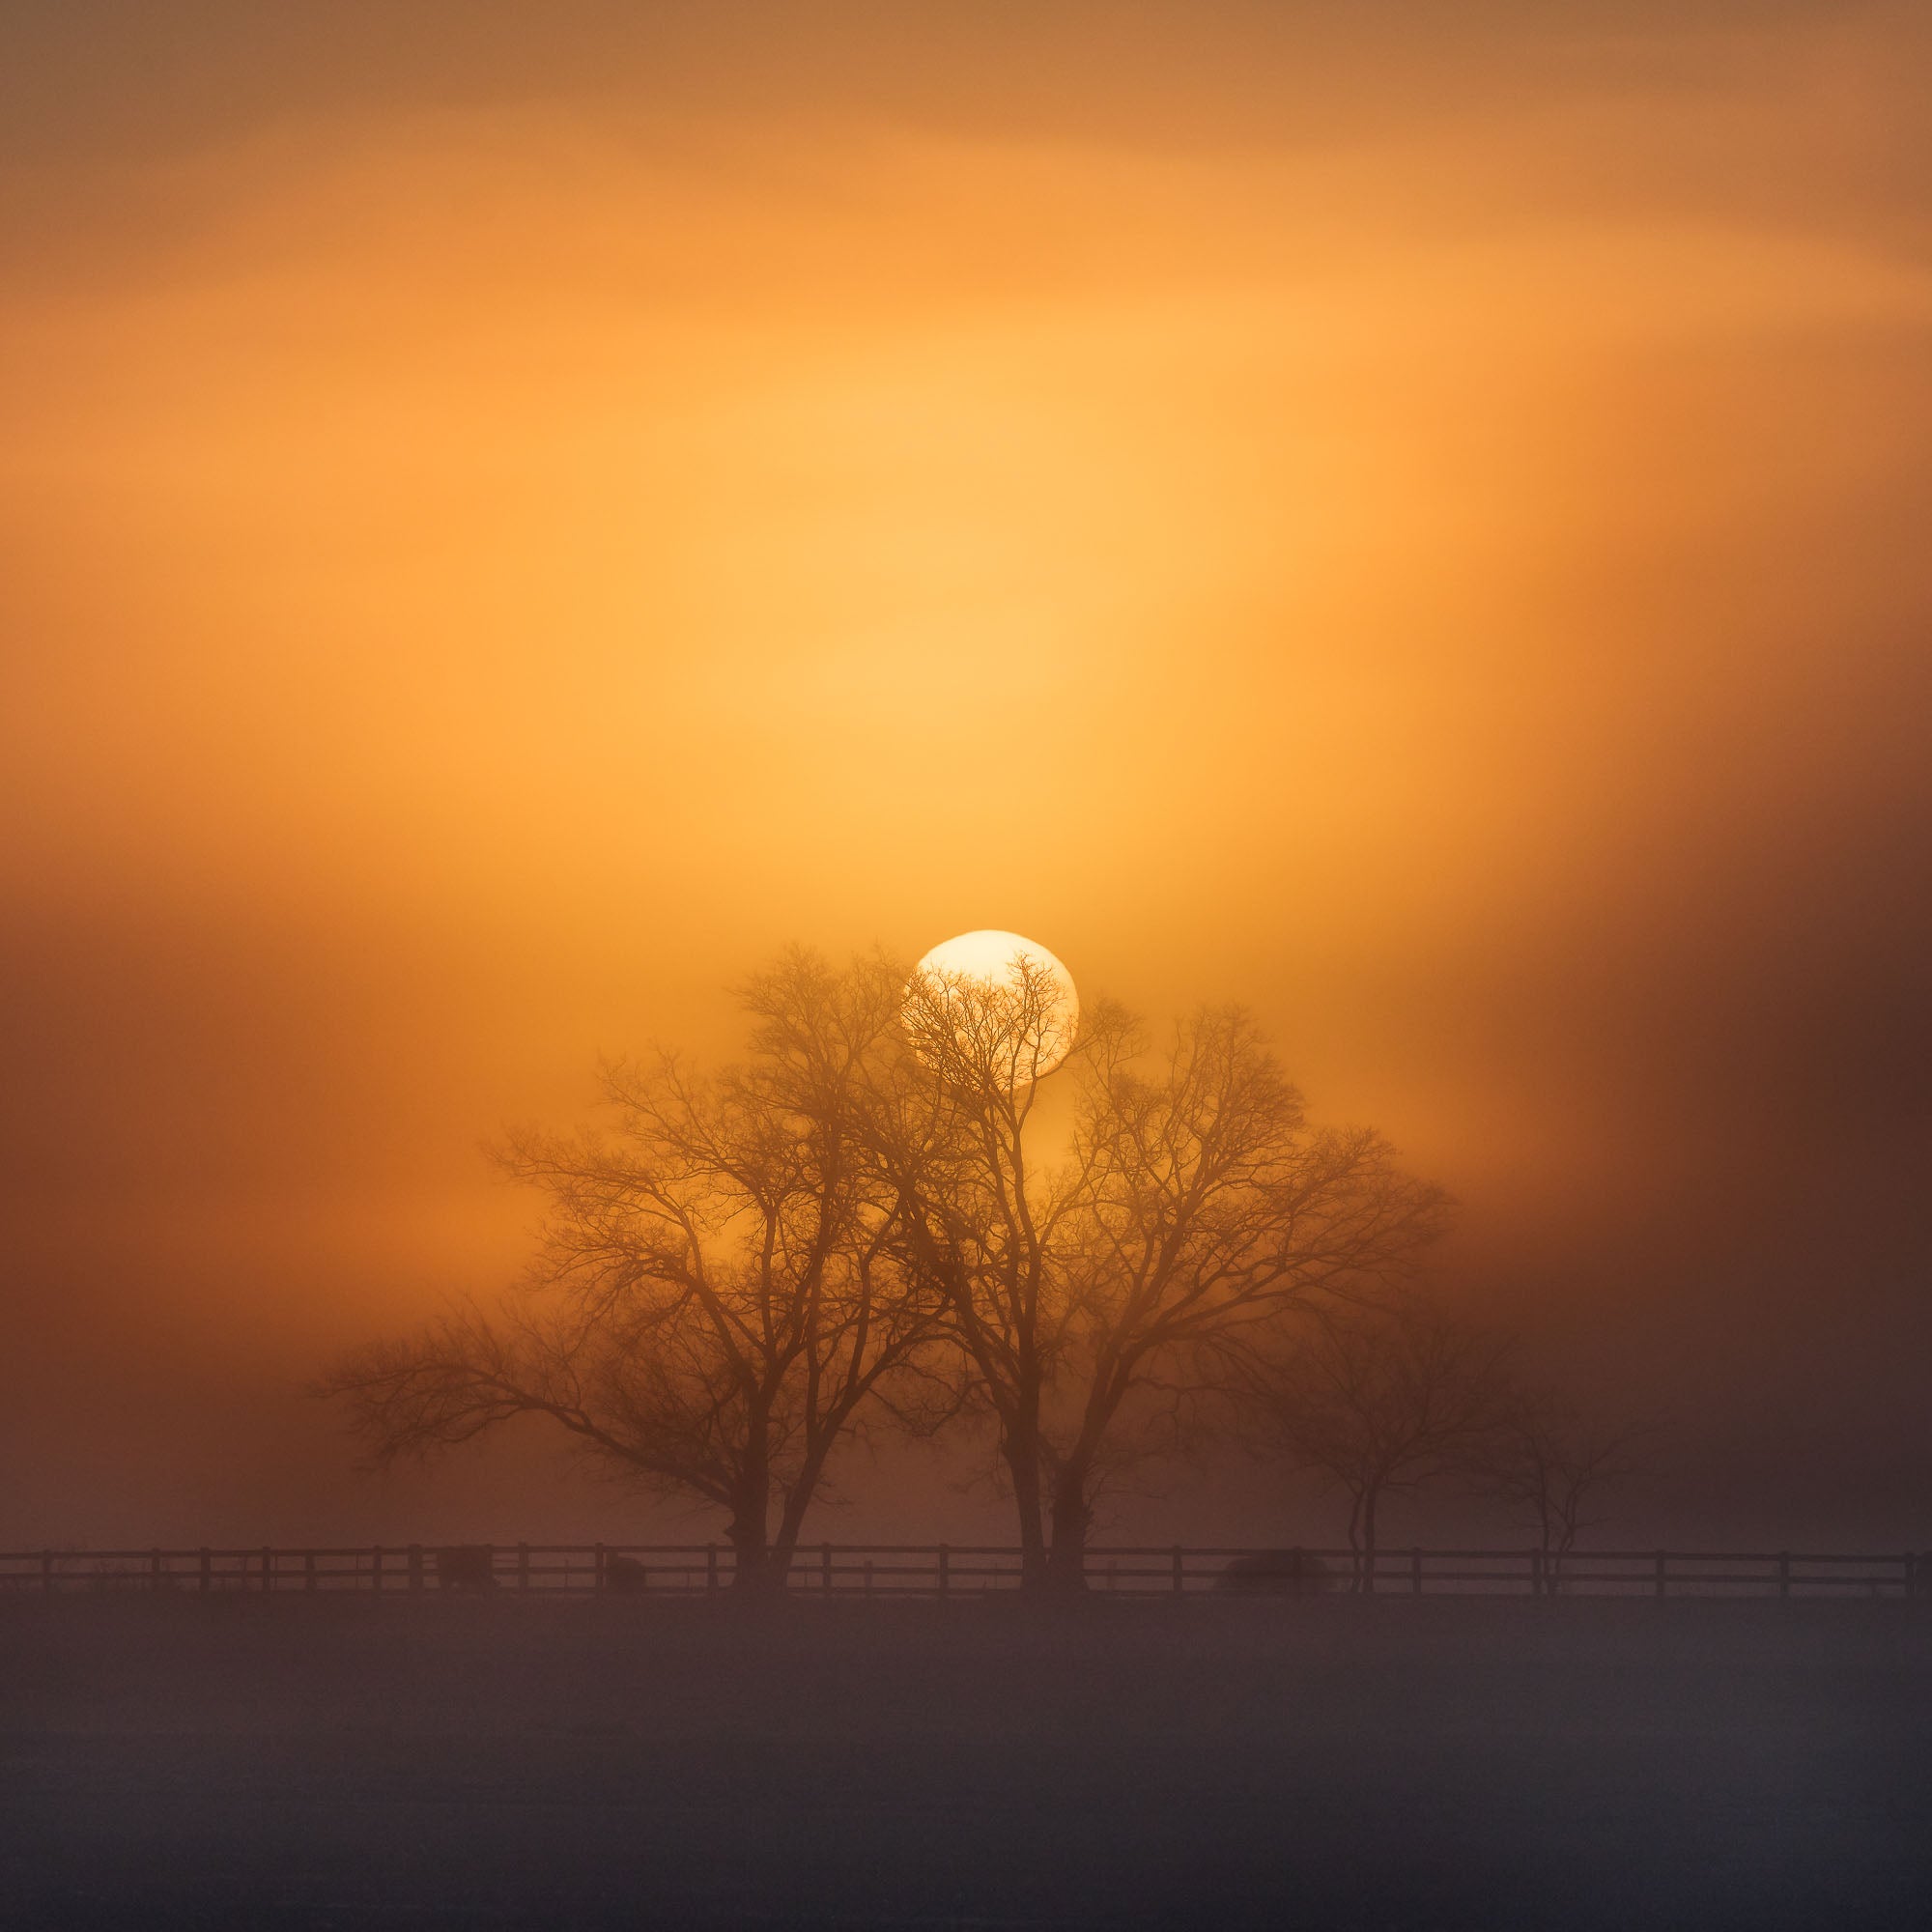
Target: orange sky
(1415, 524)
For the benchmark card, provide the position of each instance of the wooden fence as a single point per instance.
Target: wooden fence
(928, 1569)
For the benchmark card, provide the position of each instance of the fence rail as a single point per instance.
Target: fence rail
(926, 1570)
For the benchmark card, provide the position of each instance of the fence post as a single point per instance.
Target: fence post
(308, 1569)
(268, 1571)
(825, 1565)
(945, 1564)
(1536, 1578)
(206, 1568)
(1660, 1573)
(46, 1570)
(522, 1566)
(1784, 1573)
(376, 1571)
(1415, 1573)
(600, 1568)
(868, 1576)
(1180, 1572)
(1905, 1574)
(415, 1565)
(711, 1565)
(153, 1569)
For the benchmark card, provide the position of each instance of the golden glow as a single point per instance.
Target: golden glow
(1428, 546)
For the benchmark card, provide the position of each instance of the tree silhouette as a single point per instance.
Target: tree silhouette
(1553, 1467)
(1091, 1296)
(719, 1289)
(982, 1222)
(1209, 1208)
(1377, 1399)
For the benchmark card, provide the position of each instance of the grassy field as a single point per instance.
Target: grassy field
(449, 1762)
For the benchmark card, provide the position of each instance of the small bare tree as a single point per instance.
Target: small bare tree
(1376, 1399)
(1553, 1468)
(720, 1288)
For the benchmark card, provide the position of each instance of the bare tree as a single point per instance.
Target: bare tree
(1093, 1296)
(719, 1287)
(980, 1221)
(1553, 1468)
(1208, 1209)
(1377, 1399)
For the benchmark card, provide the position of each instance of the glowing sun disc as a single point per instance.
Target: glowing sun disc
(996, 960)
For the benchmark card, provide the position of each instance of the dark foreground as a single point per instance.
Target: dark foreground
(443, 1763)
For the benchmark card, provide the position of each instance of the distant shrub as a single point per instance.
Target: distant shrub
(467, 1565)
(626, 1576)
(1279, 1573)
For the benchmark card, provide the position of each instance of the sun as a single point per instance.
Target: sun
(969, 974)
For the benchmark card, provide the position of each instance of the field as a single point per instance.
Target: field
(447, 1761)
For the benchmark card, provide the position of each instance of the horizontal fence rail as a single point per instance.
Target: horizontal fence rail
(928, 1570)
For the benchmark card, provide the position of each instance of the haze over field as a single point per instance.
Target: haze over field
(1414, 523)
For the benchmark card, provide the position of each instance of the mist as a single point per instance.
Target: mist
(1412, 528)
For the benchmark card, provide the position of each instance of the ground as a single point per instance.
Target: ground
(440, 1762)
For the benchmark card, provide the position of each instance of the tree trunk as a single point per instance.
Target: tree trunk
(1559, 1556)
(755, 1571)
(1021, 1451)
(1067, 1560)
(791, 1525)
